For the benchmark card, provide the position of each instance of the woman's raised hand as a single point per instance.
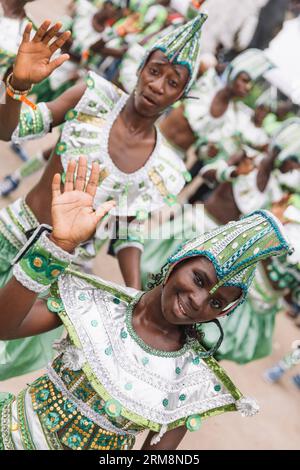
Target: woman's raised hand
(73, 217)
(33, 62)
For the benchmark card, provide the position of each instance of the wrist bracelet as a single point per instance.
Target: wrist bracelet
(18, 95)
(224, 174)
(13, 90)
(40, 262)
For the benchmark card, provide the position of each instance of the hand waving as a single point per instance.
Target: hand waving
(73, 218)
(33, 63)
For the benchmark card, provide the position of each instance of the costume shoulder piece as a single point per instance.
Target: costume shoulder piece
(154, 389)
(87, 132)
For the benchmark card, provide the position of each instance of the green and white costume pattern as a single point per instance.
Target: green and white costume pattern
(20, 356)
(230, 132)
(106, 385)
(253, 62)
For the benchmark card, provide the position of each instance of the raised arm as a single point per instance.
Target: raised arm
(33, 64)
(74, 221)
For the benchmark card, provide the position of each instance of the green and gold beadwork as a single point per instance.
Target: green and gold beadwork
(71, 115)
(193, 423)
(61, 148)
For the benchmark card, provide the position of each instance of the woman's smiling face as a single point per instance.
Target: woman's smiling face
(186, 297)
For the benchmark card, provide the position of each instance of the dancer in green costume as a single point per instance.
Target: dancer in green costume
(132, 360)
(97, 115)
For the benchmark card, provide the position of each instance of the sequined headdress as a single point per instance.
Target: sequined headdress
(182, 47)
(254, 62)
(234, 249)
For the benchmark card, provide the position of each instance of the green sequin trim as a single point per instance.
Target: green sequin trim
(22, 422)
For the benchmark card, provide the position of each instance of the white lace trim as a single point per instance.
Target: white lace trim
(55, 250)
(27, 282)
(128, 244)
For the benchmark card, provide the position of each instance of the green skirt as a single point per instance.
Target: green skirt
(20, 356)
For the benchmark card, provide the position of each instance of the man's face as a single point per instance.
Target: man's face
(242, 85)
(160, 85)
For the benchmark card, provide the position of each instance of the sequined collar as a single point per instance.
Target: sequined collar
(140, 342)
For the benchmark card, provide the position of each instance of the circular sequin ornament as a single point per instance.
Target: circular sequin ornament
(54, 305)
(187, 176)
(90, 82)
(217, 388)
(170, 199)
(165, 402)
(71, 114)
(113, 408)
(108, 351)
(116, 300)
(61, 148)
(193, 423)
(182, 397)
(177, 370)
(274, 276)
(123, 334)
(54, 270)
(196, 360)
(37, 262)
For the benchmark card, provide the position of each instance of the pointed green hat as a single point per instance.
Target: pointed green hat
(235, 249)
(182, 47)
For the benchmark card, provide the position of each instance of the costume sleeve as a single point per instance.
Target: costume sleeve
(33, 124)
(130, 236)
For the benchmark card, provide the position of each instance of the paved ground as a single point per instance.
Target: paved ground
(278, 424)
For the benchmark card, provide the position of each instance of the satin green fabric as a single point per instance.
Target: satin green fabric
(21, 356)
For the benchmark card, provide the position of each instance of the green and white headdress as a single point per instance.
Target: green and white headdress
(254, 62)
(235, 250)
(182, 47)
(291, 152)
(289, 133)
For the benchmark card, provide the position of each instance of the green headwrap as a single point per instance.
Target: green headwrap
(235, 250)
(182, 47)
(254, 62)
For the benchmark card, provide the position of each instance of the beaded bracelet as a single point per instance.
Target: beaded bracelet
(225, 174)
(41, 263)
(18, 95)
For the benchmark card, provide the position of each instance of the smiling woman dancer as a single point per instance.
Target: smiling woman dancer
(132, 360)
(138, 167)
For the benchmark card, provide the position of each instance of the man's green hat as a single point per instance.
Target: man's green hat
(182, 47)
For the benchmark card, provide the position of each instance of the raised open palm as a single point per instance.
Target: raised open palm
(73, 217)
(33, 62)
